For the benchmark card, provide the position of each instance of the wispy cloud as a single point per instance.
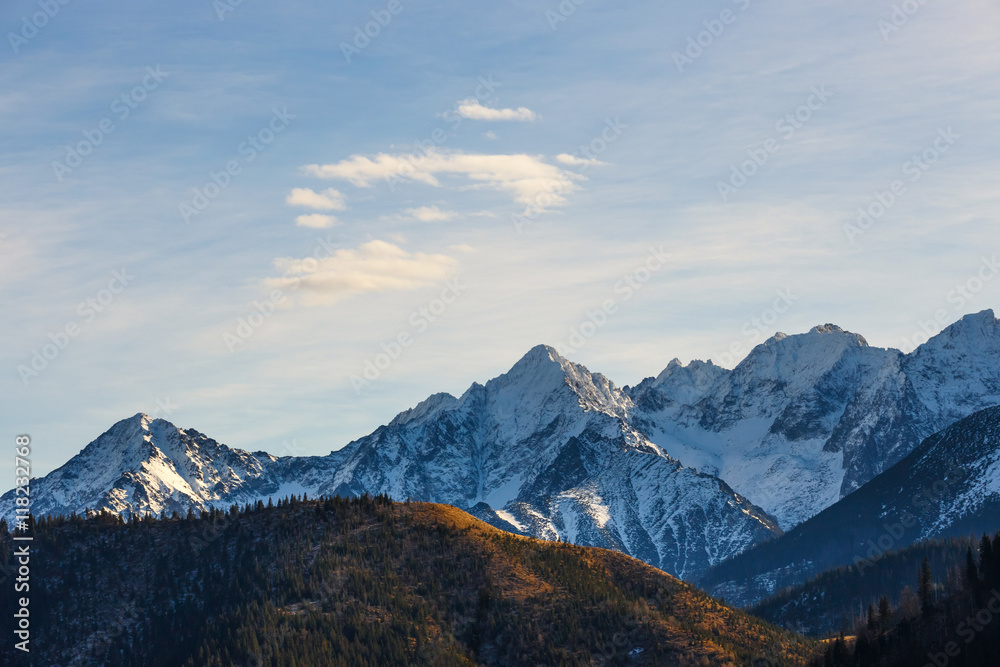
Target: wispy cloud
(375, 266)
(316, 221)
(474, 110)
(575, 161)
(429, 214)
(525, 177)
(327, 200)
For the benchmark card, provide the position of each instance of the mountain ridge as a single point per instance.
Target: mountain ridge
(684, 470)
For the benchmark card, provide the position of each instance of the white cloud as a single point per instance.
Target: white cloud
(490, 134)
(528, 178)
(473, 110)
(429, 214)
(329, 199)
(316, 221)
(376, 266)
(575, 161)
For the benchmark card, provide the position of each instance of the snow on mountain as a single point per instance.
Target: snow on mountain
(948, 486)
(806, 419)
(548, 448)
(684, 470)
(144, 465)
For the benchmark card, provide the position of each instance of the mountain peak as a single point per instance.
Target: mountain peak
(975, 331)
(834, 329)
(981, 320)
(426, 408)
(541, 354)
(696, 366)
(540, 364)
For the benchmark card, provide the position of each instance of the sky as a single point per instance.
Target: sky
(283, 223)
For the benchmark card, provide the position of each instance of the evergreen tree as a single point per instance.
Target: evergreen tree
(986, 557)
(972, 576)
(994, 576)
(925, 587)
(884, 614)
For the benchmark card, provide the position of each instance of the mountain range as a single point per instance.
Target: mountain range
(684, 470)
(948, 487)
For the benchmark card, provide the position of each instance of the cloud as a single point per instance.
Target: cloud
(316, 221)
(473, 110)
(528, 178)
(574, 161)
(324, 201)
(376, 266)
(430, 214)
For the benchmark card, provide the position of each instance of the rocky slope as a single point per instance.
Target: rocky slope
(684, 470)
(948, 486)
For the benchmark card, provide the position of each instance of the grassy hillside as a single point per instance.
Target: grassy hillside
(366, 582)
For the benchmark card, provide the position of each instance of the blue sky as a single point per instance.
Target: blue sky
(539, 167)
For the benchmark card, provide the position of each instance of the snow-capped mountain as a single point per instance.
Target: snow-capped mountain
(684, 470)
(545, 449)
(145, 465)
(806, 419)
(548, 449)
(948, 486)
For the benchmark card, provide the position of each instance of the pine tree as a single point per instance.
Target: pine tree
(925, 587)
(986, 557)
(971, 576)
(994, 576)
(884, 614)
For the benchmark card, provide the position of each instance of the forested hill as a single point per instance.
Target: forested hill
(364, 582)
